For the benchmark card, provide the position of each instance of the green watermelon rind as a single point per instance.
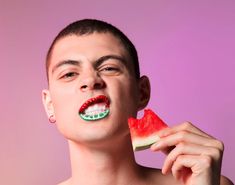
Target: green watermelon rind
(142, 143)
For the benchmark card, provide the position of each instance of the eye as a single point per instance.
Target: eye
(69, 75)
(110, 70)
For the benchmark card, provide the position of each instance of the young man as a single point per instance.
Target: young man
(94, 87)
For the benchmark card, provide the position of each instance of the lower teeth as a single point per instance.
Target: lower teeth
(94, 117)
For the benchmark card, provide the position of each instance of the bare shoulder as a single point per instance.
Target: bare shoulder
(225, 181)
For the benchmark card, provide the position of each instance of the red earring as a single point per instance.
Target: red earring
(52, 119)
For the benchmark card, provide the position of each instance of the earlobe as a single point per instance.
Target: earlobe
(47, 102)
(144, 92)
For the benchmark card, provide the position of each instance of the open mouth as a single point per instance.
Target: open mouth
(95, 108)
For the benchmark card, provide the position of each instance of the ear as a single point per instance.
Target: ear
(144, 92)
(47, 102)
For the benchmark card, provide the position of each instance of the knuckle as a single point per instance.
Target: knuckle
(182, 135)
(171, 158)
(207, 161)
(177, 151)
(187, 124)
(180, 158)
(216, 154)
(181, 146)
(220, 145)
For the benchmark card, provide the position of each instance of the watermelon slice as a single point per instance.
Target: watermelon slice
(143, 131)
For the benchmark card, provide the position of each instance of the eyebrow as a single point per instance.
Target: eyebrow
(66, 62)
(97, 62)
(102, 59)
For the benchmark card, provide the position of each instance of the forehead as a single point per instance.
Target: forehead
(89, 47)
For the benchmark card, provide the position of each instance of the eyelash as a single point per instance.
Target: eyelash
(109, 69)
(106, 70)
(69, 75)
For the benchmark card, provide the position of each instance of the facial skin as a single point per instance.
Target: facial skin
(98, 65)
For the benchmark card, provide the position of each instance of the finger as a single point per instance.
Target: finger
(190, 149)
(186, 126)
(186, 137)
(198, 164)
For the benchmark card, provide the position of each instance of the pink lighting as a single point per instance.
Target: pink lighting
(185, 47)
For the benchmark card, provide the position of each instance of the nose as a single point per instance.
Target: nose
(91, 81)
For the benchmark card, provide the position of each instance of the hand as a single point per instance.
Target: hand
(195, 157)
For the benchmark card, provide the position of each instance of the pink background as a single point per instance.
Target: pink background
(187, 48)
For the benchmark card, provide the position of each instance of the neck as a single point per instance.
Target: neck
(113, 164)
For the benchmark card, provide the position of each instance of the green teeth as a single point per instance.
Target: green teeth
(101, 114)
(94, 117)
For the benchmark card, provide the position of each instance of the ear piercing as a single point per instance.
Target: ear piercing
(52, 119)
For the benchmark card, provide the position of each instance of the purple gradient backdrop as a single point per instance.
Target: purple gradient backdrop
(185, 47)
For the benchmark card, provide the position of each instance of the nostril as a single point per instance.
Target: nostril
(84, 87)
(92, 86)
(98, 86)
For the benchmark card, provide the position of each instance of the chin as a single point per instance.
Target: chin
(99, 133)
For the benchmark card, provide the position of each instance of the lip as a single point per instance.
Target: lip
(94, 100)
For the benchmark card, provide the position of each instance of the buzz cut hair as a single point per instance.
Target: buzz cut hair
(89, 26)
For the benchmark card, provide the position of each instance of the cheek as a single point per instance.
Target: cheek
(66, 111)
(126, 96)
(64, 102)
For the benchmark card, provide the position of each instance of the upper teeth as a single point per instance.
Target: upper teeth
(95, 109)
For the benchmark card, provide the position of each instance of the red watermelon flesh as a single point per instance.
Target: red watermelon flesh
(143, 131)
